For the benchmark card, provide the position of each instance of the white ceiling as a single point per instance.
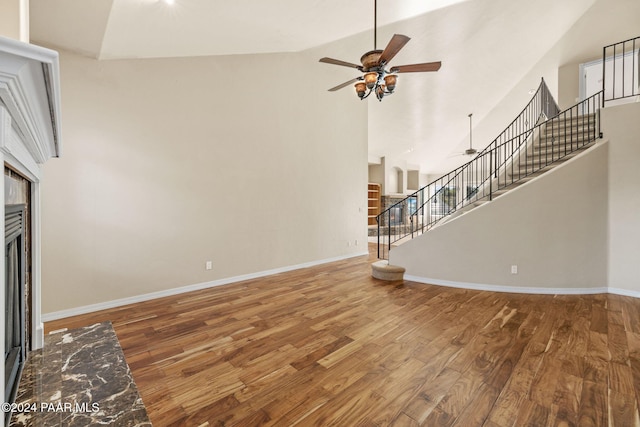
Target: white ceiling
(485, 46)
(109, 29)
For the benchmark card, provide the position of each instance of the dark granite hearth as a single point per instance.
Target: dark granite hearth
(79, 378)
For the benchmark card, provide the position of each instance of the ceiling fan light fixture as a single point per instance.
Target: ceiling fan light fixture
(390, 81)
(370, 59)
(377, 78)
(371, 79)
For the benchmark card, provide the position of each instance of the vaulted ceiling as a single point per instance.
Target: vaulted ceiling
(107, 29)
(485, 46)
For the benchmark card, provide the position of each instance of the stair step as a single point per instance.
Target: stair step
(561, 138)
(563, 120)
(541, 158)
(530, 172)
(560, 146)
(562, 126)
(522, 180)
(500, 192)
(533, 162)
(513, 185)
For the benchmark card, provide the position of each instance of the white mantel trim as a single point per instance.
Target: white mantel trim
(29, 136)
(30, 91)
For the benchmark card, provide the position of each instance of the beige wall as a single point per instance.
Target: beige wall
(14, 19)
(413, 180)
(10, 19)
(605, 22)
(622, 128)
(554, 229)
(376, 173)
(169, 163)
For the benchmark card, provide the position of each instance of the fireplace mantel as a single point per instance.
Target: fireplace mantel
(30, 109)
(29, 136)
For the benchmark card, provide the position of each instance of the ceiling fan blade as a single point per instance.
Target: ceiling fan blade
(345, 84)
(396, 43)
(338, 62)
(416, 68)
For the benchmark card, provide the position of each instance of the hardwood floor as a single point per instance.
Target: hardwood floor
(330, 345)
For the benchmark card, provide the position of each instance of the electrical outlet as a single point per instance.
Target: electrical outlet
(514, 269)
(208, 265)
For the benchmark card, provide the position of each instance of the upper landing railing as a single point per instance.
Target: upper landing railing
(621, 70)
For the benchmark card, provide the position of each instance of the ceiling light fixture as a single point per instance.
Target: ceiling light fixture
(376, 79)
(470, 151)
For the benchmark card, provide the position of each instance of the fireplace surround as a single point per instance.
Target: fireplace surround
(15, 341)
(29, 136)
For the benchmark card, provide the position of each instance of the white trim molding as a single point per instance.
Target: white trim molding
(184, 289)
(29, 136)
(522, 289)
(625, 292)
(229, 280)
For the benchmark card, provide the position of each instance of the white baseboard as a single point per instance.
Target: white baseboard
(184, 289)
(199, 286)
(625, 292)
(515, 289)
(38, 338)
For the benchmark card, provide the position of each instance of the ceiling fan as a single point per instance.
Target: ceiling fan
(377, 79)
(469, 151)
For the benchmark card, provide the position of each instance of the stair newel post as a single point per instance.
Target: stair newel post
(378, 222)
(389, 232)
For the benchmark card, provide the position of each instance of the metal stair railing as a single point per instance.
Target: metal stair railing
(506, 161)
(621, 70)
(511, 157)
(398, 222)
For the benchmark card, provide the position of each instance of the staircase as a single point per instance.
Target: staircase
(559, 140)
(544, 138)
(540, 138)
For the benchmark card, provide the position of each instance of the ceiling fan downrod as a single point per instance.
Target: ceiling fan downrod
(470, 151)
(375, 24)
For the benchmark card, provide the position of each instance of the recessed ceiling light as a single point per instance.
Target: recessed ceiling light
(169, 1)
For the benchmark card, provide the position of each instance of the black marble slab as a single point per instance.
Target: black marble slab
(79, 378)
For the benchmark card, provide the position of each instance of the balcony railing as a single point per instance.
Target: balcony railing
(621, 70)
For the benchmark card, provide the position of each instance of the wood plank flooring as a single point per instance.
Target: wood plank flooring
(330, 345)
